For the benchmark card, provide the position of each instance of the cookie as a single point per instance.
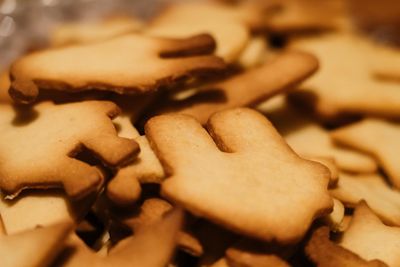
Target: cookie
(112, 65)
(373, 189)
(236, 186)
(152, 210)
(4, 85)
(251, 253)
(152, 246)
(299, 16)
(221, 22)
(80, 33)
(60, 132)
(125, 187)
(40, 209)
(377, 137)
(311, 140)
(325, 253)
(255, 53)
(335, 219)
(359, 92)
(370, 239)
(248, 88)
(37, 247)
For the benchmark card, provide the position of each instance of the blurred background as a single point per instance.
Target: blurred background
(25, 25)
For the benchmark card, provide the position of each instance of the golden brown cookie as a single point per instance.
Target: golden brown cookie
(312, 140)
(37, 146)
(124, 189)
(248, 88)
(237, 185)
(40, 209)
(152, 246)
(373, 189)
(113, 65)
(377, 137)
(152, 210)
(34, 248)
(325, 253)
(357, 91)
(370, 239)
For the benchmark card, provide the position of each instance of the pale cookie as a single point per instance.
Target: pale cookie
(79, 33)
(325, 253)
(310, 140)
(255, 53)
(345, 83)
(372, 188)
(370, 239)
(335, 219)
(248, 88)
(187, 19)
(113, 65)
(377, 137)
(37, 146)
(152, 246)
(239, 186)
(152, 210)
(33, 248)
(33, 209)
(124, 188)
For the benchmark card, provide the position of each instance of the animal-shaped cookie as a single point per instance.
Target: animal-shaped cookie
(358, 91)
(33, 248)
(37, 146)
(370, 239)
(377, 137)
(241, 177)
(248, 88)
(132, 63)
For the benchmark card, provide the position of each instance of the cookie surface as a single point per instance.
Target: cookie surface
(112, 65)
(60, 132)
(369, 238)
(241, 181)
(358, 91)
(36, 248)
(248, 88)
(377, 137)
(373, 189)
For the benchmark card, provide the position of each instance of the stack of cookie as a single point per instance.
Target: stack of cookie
(216, 134)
